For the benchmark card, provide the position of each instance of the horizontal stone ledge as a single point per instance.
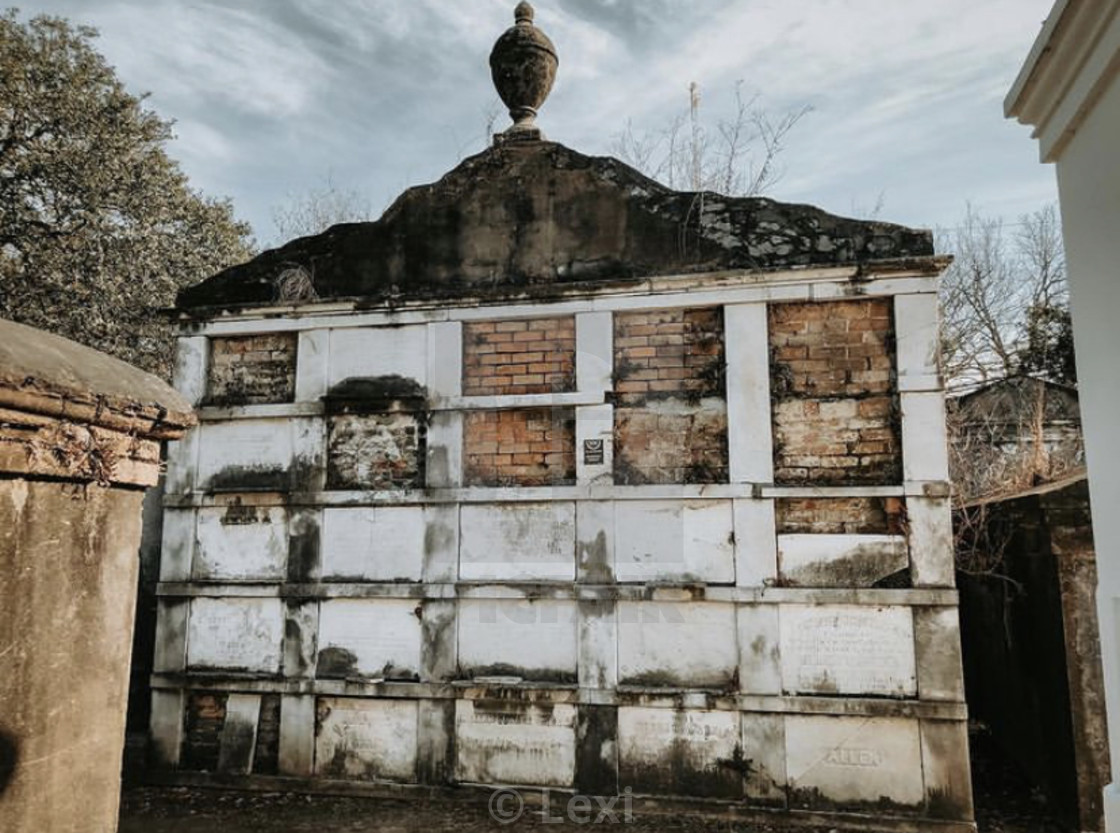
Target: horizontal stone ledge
(715, 491)
(706, 289)
(886, 278)
(533, 692)
(35, 447)
(288, 410)
(642, 807)
(525, 591)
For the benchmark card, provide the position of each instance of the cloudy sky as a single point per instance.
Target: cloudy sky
(273, 97)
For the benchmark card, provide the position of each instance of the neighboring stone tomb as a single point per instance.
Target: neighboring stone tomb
(566, 480)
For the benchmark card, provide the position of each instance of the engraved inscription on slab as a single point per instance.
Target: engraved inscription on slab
(848, 650)
(236, 634)
(515, 743)
(853, 760)
(366, 739)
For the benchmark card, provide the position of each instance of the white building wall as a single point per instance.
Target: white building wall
(1089, 185)
(490, 635)
(1069, 91)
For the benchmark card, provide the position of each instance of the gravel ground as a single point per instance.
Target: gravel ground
(180, 810)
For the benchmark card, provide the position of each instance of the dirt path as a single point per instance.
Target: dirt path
(177, 810)
(169, 810)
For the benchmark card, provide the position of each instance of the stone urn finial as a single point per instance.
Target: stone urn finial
(523, 65)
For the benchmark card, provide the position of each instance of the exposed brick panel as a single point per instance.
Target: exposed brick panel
(527, 447)
(667, 354)
(266, 756)
(670, 405)
(833, 387)
(841, 516)
(837, 349)
(376, 451)
(514, 358)
(252, 370)
(204, 720)
(660, 444)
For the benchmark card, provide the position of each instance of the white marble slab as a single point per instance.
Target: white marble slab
(675, 541)
(518, 542)
(366, 740)
(381, 544)
(848, 649)
(853, 760)
(236, 635)
(377, 638)
(510, 742)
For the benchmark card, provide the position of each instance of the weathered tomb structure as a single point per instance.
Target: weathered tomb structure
(80, 436)
(553, 477)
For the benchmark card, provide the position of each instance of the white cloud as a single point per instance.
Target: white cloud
(274, 93)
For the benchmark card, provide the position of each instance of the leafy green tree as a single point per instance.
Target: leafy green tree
(99, 228)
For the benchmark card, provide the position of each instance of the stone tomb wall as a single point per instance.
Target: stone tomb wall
(701, 550)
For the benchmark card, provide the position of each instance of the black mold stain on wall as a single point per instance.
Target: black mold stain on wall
(303, 549)
(597, 751)
(9, 759)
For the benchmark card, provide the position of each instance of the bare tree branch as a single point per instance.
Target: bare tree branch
(316, 211)
(739, 158)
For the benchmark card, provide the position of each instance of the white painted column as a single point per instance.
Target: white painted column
(595, 544)
(917, 321)
(925, 452)
(301, 640)
(444, 465)
(760, 671)
(435, 742)
(192, 362)
(756, 543)
(309, 455)
(918, 360)
(178, 544)
(595, 445)
(750, 441)
(440, 648)
(172, 620)
(937, 646)
(598, 619)
(313, 365)
(166, 721)
(444, 469)
(166, 727)
(445, 361)
(1089, 185)
(182, 463)
(297, 736)
(441, 544)
(925, 455)
(595, 423)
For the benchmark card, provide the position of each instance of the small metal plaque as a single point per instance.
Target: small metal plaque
(594, 453)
